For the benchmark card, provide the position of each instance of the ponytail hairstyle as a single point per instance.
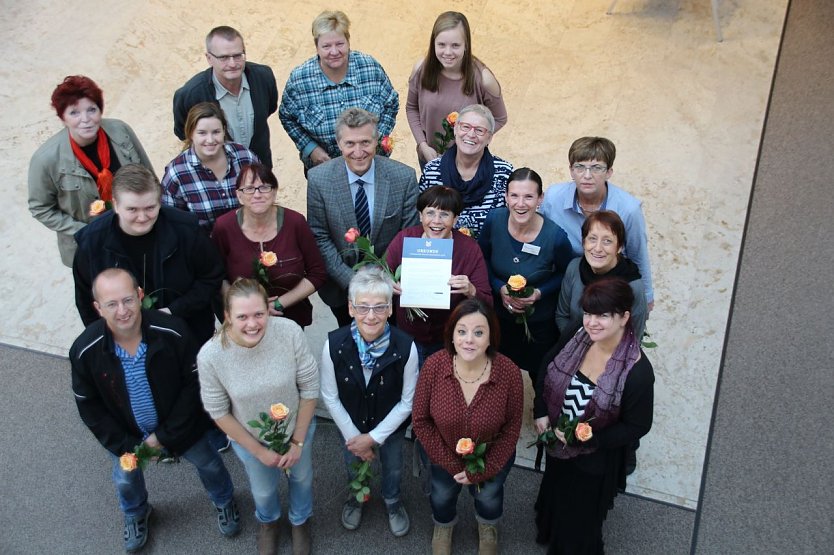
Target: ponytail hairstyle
(242, 287)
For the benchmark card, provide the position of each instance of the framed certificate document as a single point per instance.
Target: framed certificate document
(425, 273)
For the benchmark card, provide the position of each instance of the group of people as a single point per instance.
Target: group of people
(555, 283)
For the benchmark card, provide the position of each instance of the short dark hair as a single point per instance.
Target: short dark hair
(525, 174)
(610, 295)
(609, 219)
(592, 148)
(471, 306)
(442, 198)
(224, 32)
(72, 89)
(261, 172)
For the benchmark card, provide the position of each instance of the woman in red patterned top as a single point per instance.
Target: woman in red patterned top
(468, 390)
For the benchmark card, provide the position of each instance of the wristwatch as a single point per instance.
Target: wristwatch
(299, 444)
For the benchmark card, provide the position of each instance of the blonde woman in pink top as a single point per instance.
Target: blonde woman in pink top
(447, 79)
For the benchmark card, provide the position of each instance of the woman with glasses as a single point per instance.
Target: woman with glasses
(604, 240)
(75, 167)
(368, 375)
(568, 204)
(439, 208)
(448, 78)
(470, 168)
(201, 179)
(247, 235)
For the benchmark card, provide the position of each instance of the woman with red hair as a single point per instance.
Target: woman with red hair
(75, 167)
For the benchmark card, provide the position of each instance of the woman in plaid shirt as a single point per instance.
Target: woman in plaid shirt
(202, 178)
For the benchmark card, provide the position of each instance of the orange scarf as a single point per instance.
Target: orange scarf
(104, 179)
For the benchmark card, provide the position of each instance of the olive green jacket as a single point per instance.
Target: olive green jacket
(61, 190)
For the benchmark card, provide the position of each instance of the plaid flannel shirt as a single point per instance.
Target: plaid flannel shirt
(190, 186)
(311, 103)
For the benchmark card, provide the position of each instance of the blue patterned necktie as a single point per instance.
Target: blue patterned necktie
(360, 205)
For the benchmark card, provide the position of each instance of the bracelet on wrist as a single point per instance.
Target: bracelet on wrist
(277, 305)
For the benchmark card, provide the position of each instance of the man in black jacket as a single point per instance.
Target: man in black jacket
(174, 261)
(135, 382)
(246, 92)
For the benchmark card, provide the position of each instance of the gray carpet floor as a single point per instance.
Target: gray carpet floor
(767, 483)
(58, 497)
(768, 479)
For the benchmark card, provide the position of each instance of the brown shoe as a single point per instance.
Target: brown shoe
(301, 541)
(268, 538)
(441, 540)
(487, 539)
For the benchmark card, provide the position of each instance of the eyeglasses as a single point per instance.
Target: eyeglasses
(596, 169)
(260, 188)
(230, 58)
(363, 309)
(441, 215)
(466, 128)
(113, 306)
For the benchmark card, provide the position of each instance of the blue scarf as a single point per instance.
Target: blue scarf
(474, 190)
(369, 352)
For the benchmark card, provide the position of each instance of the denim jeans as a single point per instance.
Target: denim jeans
(391, 462)
(489, 501)
(263, 482)
(133, 496)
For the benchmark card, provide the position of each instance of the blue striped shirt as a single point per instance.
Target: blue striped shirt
(138, 388)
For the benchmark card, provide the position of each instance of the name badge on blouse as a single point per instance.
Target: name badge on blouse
(530, 249)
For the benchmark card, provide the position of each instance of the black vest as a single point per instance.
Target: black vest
(369, 405)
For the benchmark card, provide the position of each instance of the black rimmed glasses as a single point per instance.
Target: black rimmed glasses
(364, 309)
(264, 189)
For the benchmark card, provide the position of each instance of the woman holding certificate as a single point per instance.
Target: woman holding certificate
(439, 208)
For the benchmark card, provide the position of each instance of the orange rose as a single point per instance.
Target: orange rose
(128, 462)
(583, 432)
(97, 207)
(452, 118)
(279, 411)
(387, 144)
(268, 258)
(465, 446)
(466, 231)
(352, 235)
(517, 283)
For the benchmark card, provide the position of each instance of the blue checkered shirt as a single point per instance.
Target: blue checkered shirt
(311, 102)
(190, 186)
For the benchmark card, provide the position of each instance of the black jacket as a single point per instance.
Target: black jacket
(264, 94)
(98, 383)
(369, 405)
(188, 269)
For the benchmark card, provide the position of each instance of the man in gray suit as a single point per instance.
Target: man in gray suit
(374, 194)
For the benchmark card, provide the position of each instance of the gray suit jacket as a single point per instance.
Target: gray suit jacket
(330, 214)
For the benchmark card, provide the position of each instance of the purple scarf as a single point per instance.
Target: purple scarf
(604, 406)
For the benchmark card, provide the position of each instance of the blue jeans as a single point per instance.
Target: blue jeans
(489, 501)
(263, 482)
(391, 461)
(133, 496)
